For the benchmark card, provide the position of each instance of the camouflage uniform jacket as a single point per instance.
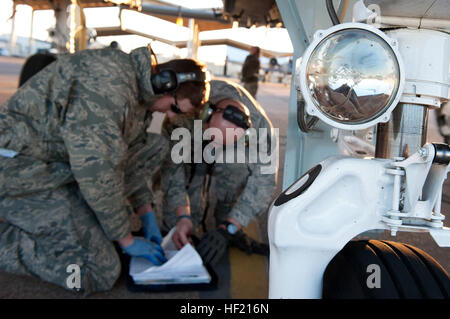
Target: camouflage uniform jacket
(85, 109)
(257, 193)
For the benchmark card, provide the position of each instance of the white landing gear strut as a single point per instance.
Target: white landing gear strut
(342, 197)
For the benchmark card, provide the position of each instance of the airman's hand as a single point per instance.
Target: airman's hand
(182, 233)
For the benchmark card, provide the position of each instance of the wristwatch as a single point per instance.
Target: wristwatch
(230, 227)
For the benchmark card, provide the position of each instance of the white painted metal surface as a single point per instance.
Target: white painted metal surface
(306, 232)
(348, 197)
(426, 53)
(351, 195)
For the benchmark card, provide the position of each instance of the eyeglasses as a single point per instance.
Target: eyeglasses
(174, 107)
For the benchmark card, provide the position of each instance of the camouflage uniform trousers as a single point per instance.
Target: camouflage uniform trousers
(251, 87)
(47, 225)
(217, 192)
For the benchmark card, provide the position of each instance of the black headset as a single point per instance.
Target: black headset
(231, 113)
(168, 80)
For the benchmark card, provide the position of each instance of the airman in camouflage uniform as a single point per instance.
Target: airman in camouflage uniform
(84, 157)
(241, 191)
(250, 71)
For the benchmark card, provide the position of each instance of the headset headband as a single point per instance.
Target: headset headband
(231, 113)
(190, 76)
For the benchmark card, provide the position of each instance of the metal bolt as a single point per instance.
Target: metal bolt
(423, 152)
(394, 231)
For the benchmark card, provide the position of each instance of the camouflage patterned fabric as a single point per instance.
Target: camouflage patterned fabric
(80, 129)
(239, 190)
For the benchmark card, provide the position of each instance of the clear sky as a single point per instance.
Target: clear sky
(271, 39)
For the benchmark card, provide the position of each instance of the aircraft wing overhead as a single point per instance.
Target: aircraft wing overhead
(253, 12)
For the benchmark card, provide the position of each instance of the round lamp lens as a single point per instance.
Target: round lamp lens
(352, 76)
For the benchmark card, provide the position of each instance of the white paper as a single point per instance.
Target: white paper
(8, 153)
(183, 266)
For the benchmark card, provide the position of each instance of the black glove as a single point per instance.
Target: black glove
(248, 245)
(213, 245)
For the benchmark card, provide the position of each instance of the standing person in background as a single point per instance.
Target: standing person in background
(250, 71)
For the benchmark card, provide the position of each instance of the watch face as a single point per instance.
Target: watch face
(232, 228)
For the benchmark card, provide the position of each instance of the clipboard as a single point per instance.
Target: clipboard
(133, 287)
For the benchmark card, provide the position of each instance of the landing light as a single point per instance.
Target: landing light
(351, 76)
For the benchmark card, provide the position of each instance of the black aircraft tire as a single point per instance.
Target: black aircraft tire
(404, 272)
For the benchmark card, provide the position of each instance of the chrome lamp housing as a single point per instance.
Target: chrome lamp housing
(351, 76)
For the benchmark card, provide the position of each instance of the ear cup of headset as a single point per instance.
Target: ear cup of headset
(164, 81)
(168, 80)
(206, 113)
